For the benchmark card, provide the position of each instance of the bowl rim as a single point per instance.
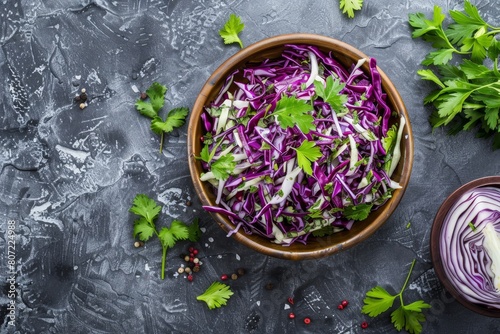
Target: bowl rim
(435, 242)
(253, 241)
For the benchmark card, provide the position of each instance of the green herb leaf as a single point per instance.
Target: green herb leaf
(358, 212)
(205, 153)
(331, 93)
(429, 75)
(409, 317)
(176, 118)
(231, 30)
(389, 141)
(143, 229)
(216, 295)
(349, 6)
(223, 167)
(324, 231)
(156, 94)
(145, 207)
(467, 97)
(291, 111)
(307, 153)
(177, 231)
(416, 306)
(194, 232)
(377, 301)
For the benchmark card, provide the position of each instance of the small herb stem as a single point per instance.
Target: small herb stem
(406, 282)
(163, 261)
(161, 142)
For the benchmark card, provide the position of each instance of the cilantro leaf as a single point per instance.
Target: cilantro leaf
(216, 295)
(145, 207)
(331, 93)
(205, 153)
(156, 93)
(177, 231)
(291, 111)
(143, 229)
(145, 109)
(176, 118)
(349, 6)
(223, 167)
(307, 153)
(358, 212)
(377, 301)
(231, 30)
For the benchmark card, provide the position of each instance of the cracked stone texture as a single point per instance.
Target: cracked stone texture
(68, 176)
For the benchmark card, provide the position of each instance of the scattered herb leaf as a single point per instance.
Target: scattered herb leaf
(349, 6)
(156, 93)
(409, 317)
(175, 118)
(331, 93)
(216, 295)
(231, 30)
(358, 212)
(223, 167)
(144, 227)
(291, 111)
(307, 153)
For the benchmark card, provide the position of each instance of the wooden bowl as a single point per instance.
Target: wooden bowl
(436, 238)
(316, 247)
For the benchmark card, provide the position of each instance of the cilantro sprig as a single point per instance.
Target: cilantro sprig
(145, 227)
(231, 29)
(468, 93)
(216, 295)
(407, 316)
(349, 6)
(151, 108)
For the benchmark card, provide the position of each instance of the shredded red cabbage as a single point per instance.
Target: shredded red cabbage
(267, 192)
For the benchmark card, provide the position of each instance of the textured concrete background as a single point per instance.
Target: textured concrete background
(68, 176)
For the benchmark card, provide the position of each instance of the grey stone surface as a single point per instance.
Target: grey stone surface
(68, 176)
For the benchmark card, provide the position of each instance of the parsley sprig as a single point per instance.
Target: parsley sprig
(145, 228)
(409, 317)
(216, 295)
(231, 29)
(349, 6)
(468, 93)
(175, 118)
